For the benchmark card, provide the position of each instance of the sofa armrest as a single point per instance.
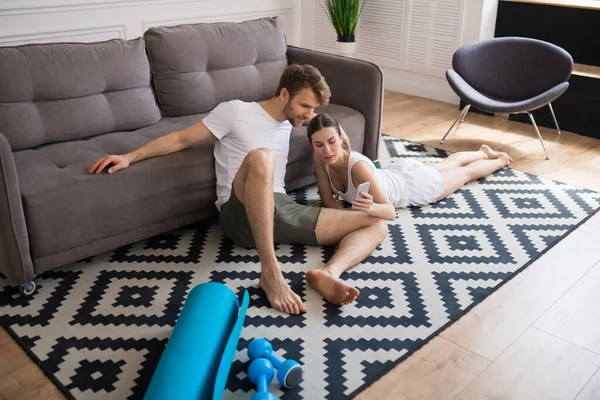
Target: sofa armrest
(15, 257)
(354, 83)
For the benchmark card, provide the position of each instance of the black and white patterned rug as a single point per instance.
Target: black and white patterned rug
(97, 328)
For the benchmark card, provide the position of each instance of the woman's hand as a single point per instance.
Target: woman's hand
(363, 202)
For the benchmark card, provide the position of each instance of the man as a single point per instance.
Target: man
(251, 155)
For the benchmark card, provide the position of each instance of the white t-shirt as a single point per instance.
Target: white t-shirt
(392, 180)
(350, 194)
(241, 127)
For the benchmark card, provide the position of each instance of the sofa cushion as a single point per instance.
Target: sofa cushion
(195, 67)
(58, 92)
(65, 207)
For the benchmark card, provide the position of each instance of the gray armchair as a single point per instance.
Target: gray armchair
(511, 75)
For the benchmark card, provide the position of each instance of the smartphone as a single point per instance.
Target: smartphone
(363, 187)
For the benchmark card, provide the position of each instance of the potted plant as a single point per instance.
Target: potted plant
(344, 15)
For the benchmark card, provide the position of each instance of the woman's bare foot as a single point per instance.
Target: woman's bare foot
(333, 289)
(279, 293)
(504, 157)
(494, 154)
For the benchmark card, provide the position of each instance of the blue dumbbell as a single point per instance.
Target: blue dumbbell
(261, 373)
(289, 372)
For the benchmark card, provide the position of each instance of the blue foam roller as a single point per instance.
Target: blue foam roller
(198, 353)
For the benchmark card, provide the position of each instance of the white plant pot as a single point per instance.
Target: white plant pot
(347, 49)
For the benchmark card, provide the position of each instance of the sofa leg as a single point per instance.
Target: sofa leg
(28, 289)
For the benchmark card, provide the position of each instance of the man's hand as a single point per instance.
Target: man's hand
(345, 138)
(116, 163)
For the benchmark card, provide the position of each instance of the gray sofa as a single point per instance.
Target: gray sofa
(64, 105)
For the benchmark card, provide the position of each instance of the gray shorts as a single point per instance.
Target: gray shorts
(293, 223)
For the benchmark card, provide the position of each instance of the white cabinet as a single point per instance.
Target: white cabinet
(432, 34)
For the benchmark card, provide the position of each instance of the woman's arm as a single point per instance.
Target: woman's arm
(323, 184)
(374, 203)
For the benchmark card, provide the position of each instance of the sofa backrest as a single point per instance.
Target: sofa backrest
(65, 91)
(197, 66)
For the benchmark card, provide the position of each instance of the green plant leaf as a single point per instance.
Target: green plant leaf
(344, 15)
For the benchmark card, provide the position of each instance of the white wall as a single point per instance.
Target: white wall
(28, 21)
(411, 40)
(479, 20)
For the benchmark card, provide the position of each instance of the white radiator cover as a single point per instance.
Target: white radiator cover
(411, 40)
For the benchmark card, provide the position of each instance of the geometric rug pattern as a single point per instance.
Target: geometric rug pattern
(97, 327)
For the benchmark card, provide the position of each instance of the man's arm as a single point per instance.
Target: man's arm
(193, 135)
(345, 139)
(173, 142)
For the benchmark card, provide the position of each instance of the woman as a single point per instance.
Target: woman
(403, 183)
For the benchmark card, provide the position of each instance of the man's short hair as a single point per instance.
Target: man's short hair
(297, 77)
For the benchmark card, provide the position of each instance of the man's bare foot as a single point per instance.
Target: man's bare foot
(279, 293)
(331, 288)
(494, 154)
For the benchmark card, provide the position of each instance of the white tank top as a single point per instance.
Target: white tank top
(389, 180)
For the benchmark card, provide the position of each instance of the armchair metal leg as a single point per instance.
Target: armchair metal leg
(538, 133)
(467, 108)
(460, 117)
(554, 116)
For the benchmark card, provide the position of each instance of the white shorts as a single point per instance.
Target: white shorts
(423, 184)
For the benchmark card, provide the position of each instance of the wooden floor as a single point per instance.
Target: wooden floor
(538, 337)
